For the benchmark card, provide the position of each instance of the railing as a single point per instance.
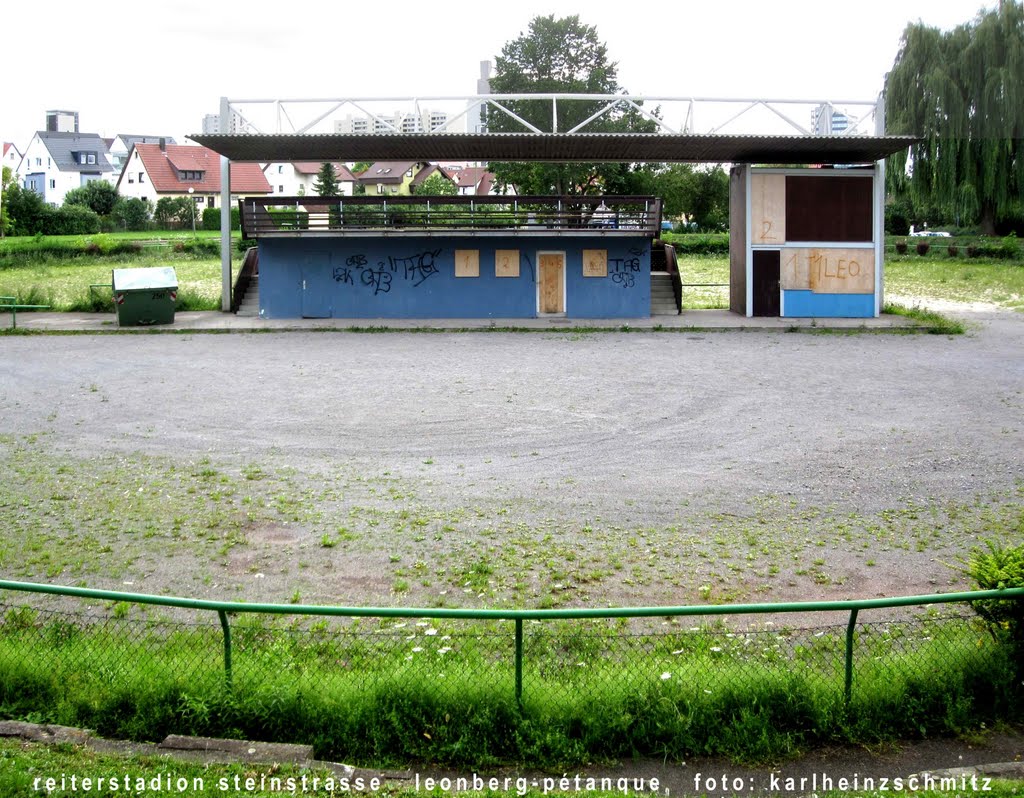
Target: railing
(423, 215)
(851, 608)
(250, 268)
(10, 303)
(672, 267)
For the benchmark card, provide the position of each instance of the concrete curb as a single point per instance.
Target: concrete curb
(691, 320)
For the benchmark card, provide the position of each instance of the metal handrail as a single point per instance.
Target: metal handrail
(223, 608)
(295, 216)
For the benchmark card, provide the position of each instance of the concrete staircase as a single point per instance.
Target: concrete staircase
(663, 303)
(250, 305)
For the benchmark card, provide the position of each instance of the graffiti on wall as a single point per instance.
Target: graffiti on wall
(415, 269)
(624, 271)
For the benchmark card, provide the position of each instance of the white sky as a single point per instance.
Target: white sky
(155, 68)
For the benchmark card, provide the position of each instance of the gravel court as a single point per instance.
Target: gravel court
(633, 429)
(830, 419)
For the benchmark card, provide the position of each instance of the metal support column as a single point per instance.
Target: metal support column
(225, 213)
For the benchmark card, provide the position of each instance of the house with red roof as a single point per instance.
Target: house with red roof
(12, 157)
(153, 171)
(475, 181)
(297, 179)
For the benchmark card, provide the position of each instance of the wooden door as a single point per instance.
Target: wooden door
(767, 282)
(551, 294)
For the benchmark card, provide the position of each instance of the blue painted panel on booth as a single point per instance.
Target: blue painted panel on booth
(623, 294)
(796, 304)
(415, 278)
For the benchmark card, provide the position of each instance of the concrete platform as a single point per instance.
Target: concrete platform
(224, 322)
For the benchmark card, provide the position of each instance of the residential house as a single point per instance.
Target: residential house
(12, 157)
(56, 162)
(297, 179)
(170, 170)
(395, 178)
(475, 181)
(121, 146)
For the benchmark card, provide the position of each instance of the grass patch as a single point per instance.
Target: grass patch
(956, 279)
(65, 284)
(931, 322)
(443, 692)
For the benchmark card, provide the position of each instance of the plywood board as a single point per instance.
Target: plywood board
(552, 280)
(467, 263)
(506, 263)
(767, 209)
(595, 263)
(829, 270)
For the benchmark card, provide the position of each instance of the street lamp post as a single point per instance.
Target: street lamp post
(192, 200)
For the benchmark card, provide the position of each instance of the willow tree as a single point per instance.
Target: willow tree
(962, 91)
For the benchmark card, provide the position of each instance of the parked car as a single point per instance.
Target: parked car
(928, 233)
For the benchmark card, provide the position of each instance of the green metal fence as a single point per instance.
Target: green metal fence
(559, 654)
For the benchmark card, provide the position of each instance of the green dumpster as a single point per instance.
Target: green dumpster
(145, 296)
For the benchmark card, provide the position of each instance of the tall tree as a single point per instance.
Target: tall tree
(963, 92)
(326, 183)
(558, 56)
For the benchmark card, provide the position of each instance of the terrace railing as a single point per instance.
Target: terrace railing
(436, 215)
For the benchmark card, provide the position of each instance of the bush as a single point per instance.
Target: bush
(994, 568)
(71, 220)
(26, 210)
(97, 195)
(211, 219)
(952, 250)
(1007, 249)
(923, 247)
(901, 247)
(131, 213)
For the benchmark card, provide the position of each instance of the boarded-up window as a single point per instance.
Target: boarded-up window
(768, 208)
(828, 208)
(595, 263)
(467, 263)
(829, 271)
(506, 263)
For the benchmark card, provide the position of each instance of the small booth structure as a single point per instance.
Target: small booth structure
(453, 257)
(805, 242)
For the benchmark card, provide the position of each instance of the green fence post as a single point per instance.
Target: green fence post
(227, 646)
(848, 691)
(519, 662)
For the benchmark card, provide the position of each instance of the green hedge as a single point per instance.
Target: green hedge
(698, 243)
(211, 219)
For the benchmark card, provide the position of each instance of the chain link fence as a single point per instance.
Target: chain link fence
(560, 668)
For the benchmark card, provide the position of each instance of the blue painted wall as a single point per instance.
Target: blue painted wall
(410, 278)
(805, 304)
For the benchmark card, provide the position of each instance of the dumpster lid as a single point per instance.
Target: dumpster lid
(145, 278)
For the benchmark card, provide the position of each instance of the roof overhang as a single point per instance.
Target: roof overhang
(558, 148)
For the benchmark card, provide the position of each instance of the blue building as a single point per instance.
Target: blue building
(453, 257)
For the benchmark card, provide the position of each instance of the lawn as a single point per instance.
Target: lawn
(935, 277)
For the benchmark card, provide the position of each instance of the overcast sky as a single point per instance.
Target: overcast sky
(155, 68)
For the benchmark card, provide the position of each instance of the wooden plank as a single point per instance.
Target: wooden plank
(552, 278)
(738, 240)
(506, 263)
(795, 270)
(595, 263)
(829, 270)
(767, 208)
(467, 263)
